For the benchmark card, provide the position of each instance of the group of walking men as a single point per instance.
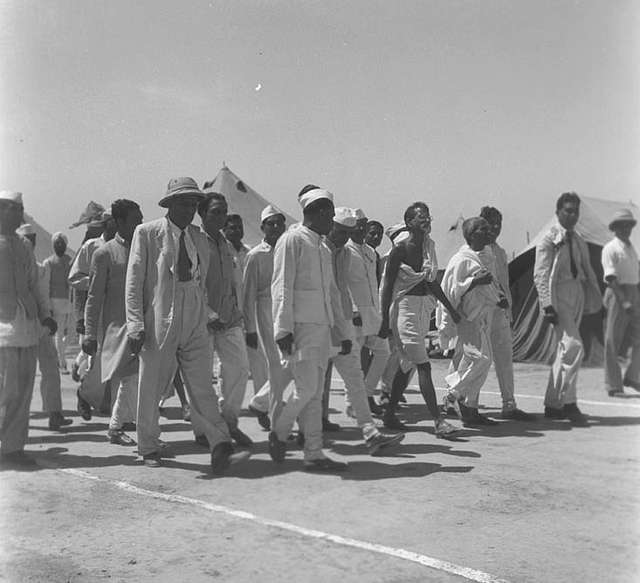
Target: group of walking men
(159, 299)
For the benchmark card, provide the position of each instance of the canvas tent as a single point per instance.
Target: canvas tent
(246, 202)
(533, 338)
(43, 240)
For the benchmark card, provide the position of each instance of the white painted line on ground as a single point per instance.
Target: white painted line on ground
(465, 572)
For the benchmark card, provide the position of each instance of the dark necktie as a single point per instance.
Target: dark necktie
(184, 263)
(574, 269)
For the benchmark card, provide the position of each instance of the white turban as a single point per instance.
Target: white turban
(59, 235)
(312, 195)
(26, 229)
(345, 217)
(269, 211)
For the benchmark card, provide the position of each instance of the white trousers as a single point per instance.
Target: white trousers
(61, 308)
(502, 349)
(17, 375)
(231, 349)
(188, 345)
(124, 409)
(49, 374)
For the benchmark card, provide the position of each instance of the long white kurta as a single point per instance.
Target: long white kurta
(306, 303)
(476, 306)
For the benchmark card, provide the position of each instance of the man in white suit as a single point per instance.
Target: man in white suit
(166, 323)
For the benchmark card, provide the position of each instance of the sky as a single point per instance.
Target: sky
(456, 103)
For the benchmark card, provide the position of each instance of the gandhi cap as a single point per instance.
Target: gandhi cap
(345, 217)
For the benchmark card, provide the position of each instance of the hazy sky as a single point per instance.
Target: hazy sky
(456, 103)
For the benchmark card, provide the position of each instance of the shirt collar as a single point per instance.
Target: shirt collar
(121, 240)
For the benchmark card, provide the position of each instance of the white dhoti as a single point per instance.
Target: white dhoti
(61, 308)
(17, 375)
(502, 349)
(49, 374)
(187, 344)
(563, 378)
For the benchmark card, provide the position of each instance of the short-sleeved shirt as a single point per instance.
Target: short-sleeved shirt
(621, 261)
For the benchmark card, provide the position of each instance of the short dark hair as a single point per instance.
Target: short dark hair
(470, 225)
(307, 188)
(490, 213)
(121, 208)
(376, 223)
(567, 197)
(412, 208)
(233, 218)
(203, 205)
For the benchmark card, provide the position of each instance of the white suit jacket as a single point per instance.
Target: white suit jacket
(151, 279)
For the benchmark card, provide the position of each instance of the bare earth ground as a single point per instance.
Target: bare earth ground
(521, 502)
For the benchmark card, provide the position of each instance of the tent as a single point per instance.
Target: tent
(43, 240)
(246, 202)
(533, 338)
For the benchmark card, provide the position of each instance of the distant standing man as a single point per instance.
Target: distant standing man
(567, 289)
(50, 389)
(622, 301)
(166, 323)
(22, 310)
(59, 265)
(306, 305)
(105, 316)
(500, 325)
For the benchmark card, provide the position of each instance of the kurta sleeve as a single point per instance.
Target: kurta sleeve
(250, 292)
(134, 287)
(282, 285)
(80, 268)
(98, 277)
(42, 302)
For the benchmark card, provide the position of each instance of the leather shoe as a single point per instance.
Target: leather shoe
(553, 413)
(517, 415)
(615, 392)
(263, 418)
(240, 437)
(277, 448)
(119, 437)
(381, 441)
(573, 414)
(83, 407)
(329, 426)
(57, 420)
(324, 465)
(223, 456)
(390, 421)
(474, 419)
(632, 384)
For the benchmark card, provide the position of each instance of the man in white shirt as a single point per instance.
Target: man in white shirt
(567, 289)
(22, 310)
(622, 301)
(363, 286)
(306, 306)
(500, 332)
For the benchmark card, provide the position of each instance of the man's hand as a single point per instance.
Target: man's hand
(455, 316)
(384, 331)
(357, 319)
(136, 340)
(550, 315)
(285, 344)
(215, 325)
(80, 326)
(484, 279)
(51, 324)
(345, 346)
(251, 338)
(90, 346)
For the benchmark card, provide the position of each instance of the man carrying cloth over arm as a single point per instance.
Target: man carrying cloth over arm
(306, 305)
(622, 301)
(167, 323)
(567, 289)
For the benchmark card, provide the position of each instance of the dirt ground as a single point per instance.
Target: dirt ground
(520, 502)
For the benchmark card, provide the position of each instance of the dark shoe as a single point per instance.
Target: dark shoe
(263, 418)
(18, 459)
(381, 441)
(129, 426)
(573, 414)
(186, 413)
(75, 372)
(324, 465)
(329, 426)
(83, 407)
(277, 448)
(402, 398)
(223, 456)
(241, 438)
(152, 460)
(553, 413)
(202, 440)
(474, 419)
(374, 407)
(119, 437)
(632, 384)
(443, 429)
(615, 392)
(517, 415)
(57, 420)
(390, 421)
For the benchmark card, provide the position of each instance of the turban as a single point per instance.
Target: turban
(345, 217)
(59, 235)
(312, 195)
